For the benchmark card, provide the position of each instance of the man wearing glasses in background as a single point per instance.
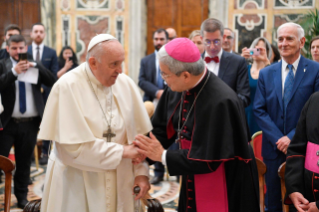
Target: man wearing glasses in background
(228, 40)
(230, 68)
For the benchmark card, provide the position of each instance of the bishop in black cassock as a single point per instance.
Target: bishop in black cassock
(302, 164)
(205, 116)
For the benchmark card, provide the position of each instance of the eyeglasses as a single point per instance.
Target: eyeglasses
(164, 76)
(215, 42)
(229, 37)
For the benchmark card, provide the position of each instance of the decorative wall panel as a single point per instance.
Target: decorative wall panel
(92, 4)
(86, 28)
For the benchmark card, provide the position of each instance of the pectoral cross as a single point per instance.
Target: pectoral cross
(109, 134)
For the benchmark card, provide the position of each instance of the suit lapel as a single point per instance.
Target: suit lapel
(153, 68)
(43, 54)
(8, 69)
(223, 65)
(278, 82)
(300, 73)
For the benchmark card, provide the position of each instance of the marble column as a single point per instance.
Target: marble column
(137, 40)
(48, 19)
(219, 9)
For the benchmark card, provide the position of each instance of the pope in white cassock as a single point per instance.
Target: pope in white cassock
(92, 116)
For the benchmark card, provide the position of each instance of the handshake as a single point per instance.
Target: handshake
(143, 147)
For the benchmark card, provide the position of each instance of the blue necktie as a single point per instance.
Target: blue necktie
(22, 97)
(160, 81)
(289, 82)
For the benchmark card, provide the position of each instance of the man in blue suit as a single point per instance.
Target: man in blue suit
(150, 79)
(49, 60)
(282, 91)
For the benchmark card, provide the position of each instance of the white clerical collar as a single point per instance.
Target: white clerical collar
(199, 79)
(219, 55)
(92, 78)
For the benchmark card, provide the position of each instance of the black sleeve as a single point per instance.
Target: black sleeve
(178, 164)
(159, 121)
(6, 77)
(242, 88)
(45, 76)
(294, 175)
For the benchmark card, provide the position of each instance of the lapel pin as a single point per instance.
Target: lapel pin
(304, 70)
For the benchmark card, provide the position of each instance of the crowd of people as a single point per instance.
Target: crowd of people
(209, 100)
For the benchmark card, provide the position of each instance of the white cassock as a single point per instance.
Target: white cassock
(85, 173)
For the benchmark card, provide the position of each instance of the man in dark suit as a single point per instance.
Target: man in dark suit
(230, 68)
(282, 91)
(151, 82)
(150, 79)
(10, 30)
(48, 58)
(23, 109)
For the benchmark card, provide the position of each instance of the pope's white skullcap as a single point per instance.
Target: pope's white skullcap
(98, 39)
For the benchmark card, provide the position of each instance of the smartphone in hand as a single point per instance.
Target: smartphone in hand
(23, 57)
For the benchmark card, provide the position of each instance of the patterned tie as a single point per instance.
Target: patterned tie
(38, 54)
(215, 59)
(22, 97)
(160, 81)
(289, 82)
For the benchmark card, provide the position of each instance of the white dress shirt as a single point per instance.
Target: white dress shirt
(31, 110)
(212, 66)
(34, 50)
(285, 71)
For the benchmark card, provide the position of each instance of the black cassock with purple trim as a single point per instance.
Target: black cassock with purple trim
(302, 165)
(217, 167)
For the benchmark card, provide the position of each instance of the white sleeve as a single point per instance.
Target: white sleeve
(141, 169)
(164, 157)
(96, 156)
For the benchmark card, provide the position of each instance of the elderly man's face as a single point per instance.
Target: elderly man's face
(109, 67)
(289, 44)
(174, 82)
(213, 42)
(228, 40)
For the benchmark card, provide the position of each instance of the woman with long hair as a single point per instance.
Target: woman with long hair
(67, 60)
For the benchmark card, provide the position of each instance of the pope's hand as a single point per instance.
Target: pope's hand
(300, 203)
(143, 183)
(150, 147)
(130, 151)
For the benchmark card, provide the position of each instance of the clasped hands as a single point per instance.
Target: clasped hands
(143, 147)
(302, 204)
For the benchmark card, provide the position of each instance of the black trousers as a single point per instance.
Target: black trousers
(23, 135)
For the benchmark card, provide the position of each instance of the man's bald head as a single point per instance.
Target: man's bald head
(171, 33)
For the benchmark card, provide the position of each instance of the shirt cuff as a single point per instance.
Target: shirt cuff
(164, 157)
(14, 72)
(34, 64)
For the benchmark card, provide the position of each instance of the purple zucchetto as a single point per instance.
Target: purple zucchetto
(183, 49)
